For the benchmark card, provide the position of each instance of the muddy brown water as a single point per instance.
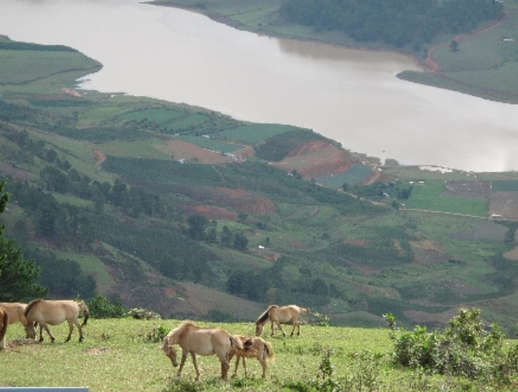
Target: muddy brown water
(349, 95)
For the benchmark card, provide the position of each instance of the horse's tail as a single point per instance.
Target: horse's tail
(3, 330)
(86, 311)
(235, 341)
(264, 316)
(268, 348)
(31, 305)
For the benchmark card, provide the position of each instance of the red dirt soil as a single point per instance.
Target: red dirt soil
(189, 151)
(316, 159)
(244, 201)
(99, 157)
(212, 212)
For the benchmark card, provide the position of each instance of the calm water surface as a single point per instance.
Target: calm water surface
(351, 96)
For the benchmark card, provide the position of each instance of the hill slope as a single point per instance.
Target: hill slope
(195, 214)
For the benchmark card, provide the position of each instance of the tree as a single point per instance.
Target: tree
(454, 46)
(18, 276)
(240, 241)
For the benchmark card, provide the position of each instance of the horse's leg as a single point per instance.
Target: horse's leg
(80, 329)
(41, 333)
(70, 329)
(52, 338)
(224, 368)
(279, 326)
(262, 361)
(244, 366)
(182, 362)
(293, 330)
(238, 357)
(195, 366)
(298, 329)
(272, 327)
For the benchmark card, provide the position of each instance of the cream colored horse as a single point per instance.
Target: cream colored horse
(16, 310)
(55, 312)
(4, 322)
(253, 348)
(204, 341)
(280, 315)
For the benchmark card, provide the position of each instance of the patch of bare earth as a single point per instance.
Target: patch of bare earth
(98, 350)
(100, 157)
(504, 204)
(427, 252)
(19, 174)
(213, 212)
(238, 199)
(468, 189)
(71, 92)
(190, 152)
(317, 159)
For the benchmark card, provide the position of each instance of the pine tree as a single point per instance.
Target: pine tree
(18, 276)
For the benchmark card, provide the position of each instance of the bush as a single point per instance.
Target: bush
(464, 348)
(143, 314)
(101, 307)
(157, 334)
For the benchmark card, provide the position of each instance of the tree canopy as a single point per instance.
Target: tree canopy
(399, 23)
(18, 275)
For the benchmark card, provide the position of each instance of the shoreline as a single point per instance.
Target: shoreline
(429, 68)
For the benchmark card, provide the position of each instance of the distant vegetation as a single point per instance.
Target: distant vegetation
(401, 23)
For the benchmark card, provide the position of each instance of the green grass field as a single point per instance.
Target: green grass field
(116, 356)
(429, 196)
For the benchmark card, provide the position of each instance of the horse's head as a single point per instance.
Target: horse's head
(259, 329)
(30, 332)
(86, 312)
(170, 351)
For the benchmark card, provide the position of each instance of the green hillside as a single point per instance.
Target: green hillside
(188, 212)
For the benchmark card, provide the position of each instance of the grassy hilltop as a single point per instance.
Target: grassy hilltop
(195, 214)
(484, 63)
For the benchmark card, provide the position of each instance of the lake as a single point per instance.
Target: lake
(352, 96)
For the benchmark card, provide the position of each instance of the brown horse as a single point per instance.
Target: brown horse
(204, 341)
(4, 322)
(16, 310)
(253, 348)
(280, 315)
(55, 312)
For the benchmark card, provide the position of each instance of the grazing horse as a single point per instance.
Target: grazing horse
(280, 315)
(204, 341)
(4, 321)
(55, 312)
(16, 310)
(253, 348)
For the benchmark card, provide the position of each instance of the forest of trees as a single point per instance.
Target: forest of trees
(399, 23)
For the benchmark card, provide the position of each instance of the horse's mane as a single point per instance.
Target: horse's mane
(31, 304)
(264, 316)
(186, 324)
